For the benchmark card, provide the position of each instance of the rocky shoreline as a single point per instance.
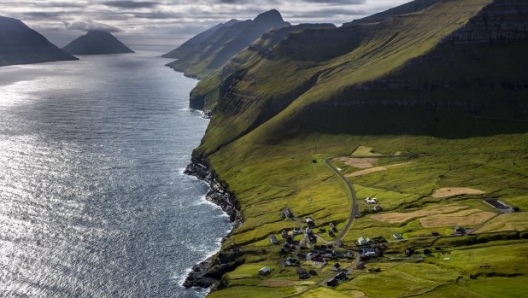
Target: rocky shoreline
(208, 273)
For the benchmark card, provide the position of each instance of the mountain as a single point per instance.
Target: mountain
(19, 44)
(426, 97)
(453, 69)
(205, 95)
(197, 42)
(97, 43)
(216, 49)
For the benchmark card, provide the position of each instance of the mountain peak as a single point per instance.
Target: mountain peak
(22, 45)
(97, 43)
(270, 16)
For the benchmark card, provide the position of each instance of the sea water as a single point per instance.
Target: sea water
(93, 199)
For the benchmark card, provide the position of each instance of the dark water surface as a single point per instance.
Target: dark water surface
(93, 200)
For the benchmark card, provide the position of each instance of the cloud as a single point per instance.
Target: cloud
(90, 26)
(142, 20)
(130, 4)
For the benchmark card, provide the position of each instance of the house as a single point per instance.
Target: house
(297, 231)
(370, 252)
(371, 200)
(341, 276)
(360, 265)
(264, 271)
(458, 230)
(302, 273)
(291, 262)
(336, 267)
(363, 241)
(409, 252)
(273, 239)
(318, 261)
(287, 213)
(332, 282)
(310, 222)
(284, 233)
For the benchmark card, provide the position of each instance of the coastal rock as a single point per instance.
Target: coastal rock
(208, 273)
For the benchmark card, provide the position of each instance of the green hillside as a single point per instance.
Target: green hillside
(425, 111)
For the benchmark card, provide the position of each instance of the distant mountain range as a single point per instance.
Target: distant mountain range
(211, 49)
(19, 44)
(97, 43)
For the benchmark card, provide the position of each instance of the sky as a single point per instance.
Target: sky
(168, 23)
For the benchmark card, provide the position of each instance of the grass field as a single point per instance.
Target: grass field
(292, 174)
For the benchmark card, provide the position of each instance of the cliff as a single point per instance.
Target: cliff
(19, 44)
(216, 49)
(97, 43)
(197, 42)
(453, 69)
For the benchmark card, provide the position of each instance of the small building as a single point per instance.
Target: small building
(291, 262)
(318, 261)
(458, 230)
(371, 200)
(310, 222)
(297, 231)
(284, 233)
(273, 239)
(332, 282)
(363, 241)
(377, 209)
(287, 213)
(302, 273)
(264, 271)
(341, 276)
(336, 267)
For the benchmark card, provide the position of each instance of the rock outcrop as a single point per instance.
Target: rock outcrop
(97, 43)
(19, 44)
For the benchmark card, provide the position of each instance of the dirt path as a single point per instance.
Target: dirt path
(352, 196)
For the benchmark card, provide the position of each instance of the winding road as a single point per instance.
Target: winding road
(354, 211)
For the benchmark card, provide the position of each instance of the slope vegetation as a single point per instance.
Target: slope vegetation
(455, 69)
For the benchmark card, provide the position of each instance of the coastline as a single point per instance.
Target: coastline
(208, 273)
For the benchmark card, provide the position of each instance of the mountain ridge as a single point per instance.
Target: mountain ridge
(218, 48)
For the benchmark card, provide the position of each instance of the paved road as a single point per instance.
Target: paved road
(354, 211)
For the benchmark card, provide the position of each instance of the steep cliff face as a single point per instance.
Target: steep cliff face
(454, 69)
(500, 22)
(225, 43)
(19, 44)
(97, 43)
(208, 91)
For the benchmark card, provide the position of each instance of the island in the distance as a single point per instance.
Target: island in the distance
(20, 44)
(97, 43)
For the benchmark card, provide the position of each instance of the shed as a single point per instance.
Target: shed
(264, 271)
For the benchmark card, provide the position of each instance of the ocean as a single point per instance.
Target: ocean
(93, 199)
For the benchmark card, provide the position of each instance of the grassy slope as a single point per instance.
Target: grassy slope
(380, 49)
(279, 164)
